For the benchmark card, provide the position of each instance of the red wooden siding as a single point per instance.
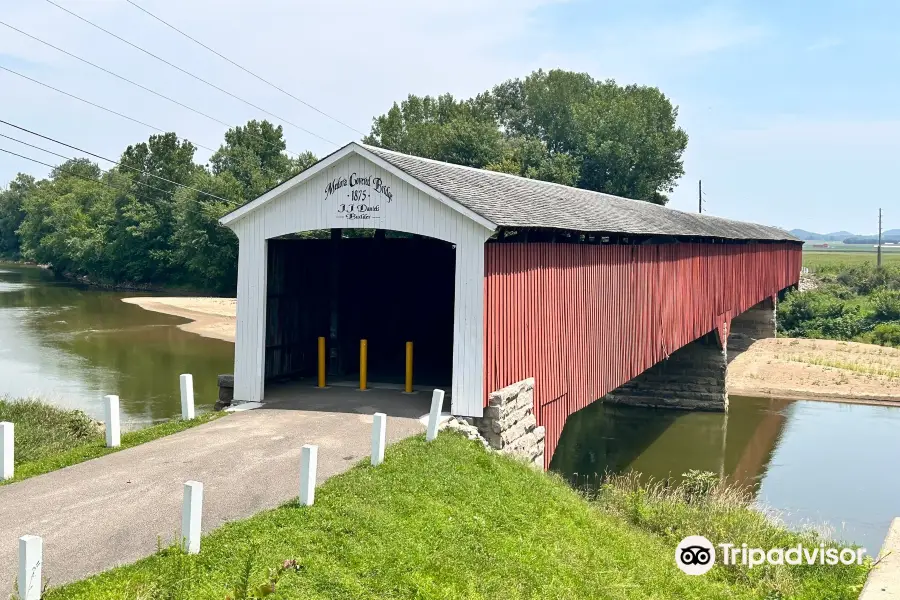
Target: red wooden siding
(584, 319)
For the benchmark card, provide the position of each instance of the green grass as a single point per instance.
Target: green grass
(49, 438)
(724, 514)
(439, 520)
(816, 259)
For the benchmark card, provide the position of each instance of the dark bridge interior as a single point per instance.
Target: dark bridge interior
(387, 290)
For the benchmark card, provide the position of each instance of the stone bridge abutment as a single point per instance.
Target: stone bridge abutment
(694, 376)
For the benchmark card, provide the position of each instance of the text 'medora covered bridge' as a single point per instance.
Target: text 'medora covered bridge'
(496, 278)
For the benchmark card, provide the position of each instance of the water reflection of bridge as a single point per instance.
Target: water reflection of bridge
(662, 443)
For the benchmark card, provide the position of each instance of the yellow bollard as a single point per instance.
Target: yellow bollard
(321, 362)
(363, 363)
(409, 355)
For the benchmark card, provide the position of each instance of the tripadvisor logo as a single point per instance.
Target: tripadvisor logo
(696, 555)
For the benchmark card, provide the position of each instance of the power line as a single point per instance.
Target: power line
(76, 148)
(95, 105)
(40, 162)
(134, 83)
(188, 73)
(118, 114)
(244, 69)
(63, 156)
(90, 179)
(27, 158)
(70, 173)
(111, 174)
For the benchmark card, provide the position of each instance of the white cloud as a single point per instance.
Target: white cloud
(645, 50)
(353, 58)
(825, 43)
(349, 58)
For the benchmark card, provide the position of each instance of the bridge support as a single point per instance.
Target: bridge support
(692, 378)
(509, 423)
(756, 323)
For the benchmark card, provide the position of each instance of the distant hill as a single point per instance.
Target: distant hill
(891, 233)
(837, 236)
(805, 235)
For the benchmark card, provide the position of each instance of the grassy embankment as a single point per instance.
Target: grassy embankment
(49, 438)
(449, 520)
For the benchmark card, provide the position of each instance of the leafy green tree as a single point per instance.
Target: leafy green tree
(255, 156)
(67, 218)
(12, 213)
(441, 128)
(135, 223)
(82, 168)
(529, 157)
(206, 250)
(141, 238)
(556, 126)
(251, 161)
(301, 162)
(625, 139)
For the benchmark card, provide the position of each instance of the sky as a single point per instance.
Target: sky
(791, 107)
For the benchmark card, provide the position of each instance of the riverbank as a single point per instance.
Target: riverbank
(794, 368)
(47, 438)
(427, 523)
(119, 286)
(798, 368)
(209, 317)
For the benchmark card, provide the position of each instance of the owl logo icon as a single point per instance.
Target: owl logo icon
(695, 555)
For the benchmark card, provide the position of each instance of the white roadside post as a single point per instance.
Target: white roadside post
(379, 427)
(31, 550)
(434, 418)
(309, 459)
(113, 427)
(7, 451)
(191, 515)
(187, 396)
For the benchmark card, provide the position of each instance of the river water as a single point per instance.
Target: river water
(74, 344)
(817, 462)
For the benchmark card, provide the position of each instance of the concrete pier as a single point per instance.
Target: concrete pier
(692, 378)
(756, 323)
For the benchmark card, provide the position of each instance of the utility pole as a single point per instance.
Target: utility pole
(879, 238)
(700, 194)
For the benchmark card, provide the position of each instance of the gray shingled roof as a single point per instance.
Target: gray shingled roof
(511, 201)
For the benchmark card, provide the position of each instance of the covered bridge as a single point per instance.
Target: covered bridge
(496, 279)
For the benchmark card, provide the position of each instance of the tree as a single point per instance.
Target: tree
(254, 156)
(67, 218)
(204, 248)
(529, 157)
(251, 161)
(76, 167)
(556, 126)
(141, 238)
(441, 128)
(141, 221)
(12, 213)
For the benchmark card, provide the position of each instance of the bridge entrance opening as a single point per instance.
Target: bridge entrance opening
(385, 287)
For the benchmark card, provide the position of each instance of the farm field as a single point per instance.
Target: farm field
(843, 256)
(814, 246)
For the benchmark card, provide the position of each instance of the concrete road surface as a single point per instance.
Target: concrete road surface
(109, 511)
